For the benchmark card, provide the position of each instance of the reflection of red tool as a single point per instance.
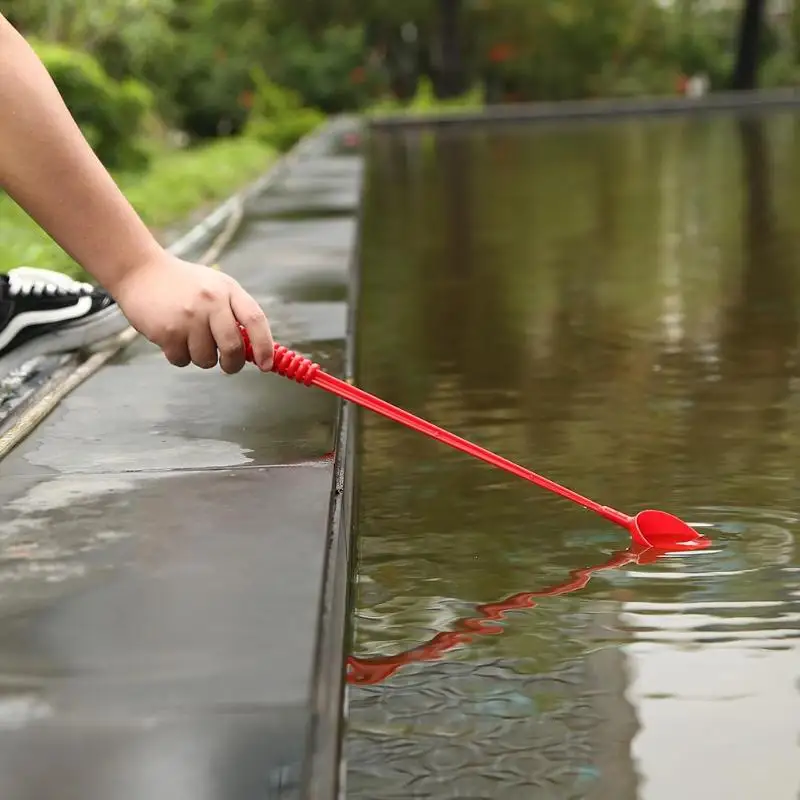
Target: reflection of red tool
(647, 528)
(376, 670)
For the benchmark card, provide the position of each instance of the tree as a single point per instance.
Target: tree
(745, 73)
(450, 79)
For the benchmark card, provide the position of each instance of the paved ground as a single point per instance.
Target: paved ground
(162, 547)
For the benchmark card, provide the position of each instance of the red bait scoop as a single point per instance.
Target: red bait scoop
(648, 528)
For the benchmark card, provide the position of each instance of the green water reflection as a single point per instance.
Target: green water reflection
(616, 306)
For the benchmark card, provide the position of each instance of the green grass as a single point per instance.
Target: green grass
(175, 184)
(425, 102)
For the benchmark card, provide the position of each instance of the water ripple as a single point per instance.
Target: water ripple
(725, 595)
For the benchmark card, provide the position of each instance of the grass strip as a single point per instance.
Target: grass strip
(175, 184)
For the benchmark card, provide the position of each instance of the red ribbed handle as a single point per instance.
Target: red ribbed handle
(286, 362)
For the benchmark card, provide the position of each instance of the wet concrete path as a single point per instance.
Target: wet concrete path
(163, 542)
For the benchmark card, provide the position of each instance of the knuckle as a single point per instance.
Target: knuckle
(231, 347)
(161, 335)
(209, 294)
(253, 317)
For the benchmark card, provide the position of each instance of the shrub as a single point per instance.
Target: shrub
(330, 73)
(701, 52)
(278, 116)
(425, 100)
(283, 133)
(638, 78)
(207, 86)
(780, 70)
(110, 113)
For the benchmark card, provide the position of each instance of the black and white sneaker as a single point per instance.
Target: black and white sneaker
(53, 313)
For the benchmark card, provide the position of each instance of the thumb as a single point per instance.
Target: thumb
(253, 320)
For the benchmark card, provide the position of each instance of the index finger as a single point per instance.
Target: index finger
(252, 318)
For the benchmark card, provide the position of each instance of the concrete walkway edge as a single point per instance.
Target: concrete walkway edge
(326, 769)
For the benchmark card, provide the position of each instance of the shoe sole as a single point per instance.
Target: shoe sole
(89, 331)
(76, 335)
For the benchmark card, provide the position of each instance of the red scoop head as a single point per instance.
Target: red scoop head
(665, 532)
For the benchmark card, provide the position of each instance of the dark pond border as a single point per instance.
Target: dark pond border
(323, 778)
(713, 103)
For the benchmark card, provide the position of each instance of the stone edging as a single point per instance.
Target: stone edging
(715, 102)
(324, 778)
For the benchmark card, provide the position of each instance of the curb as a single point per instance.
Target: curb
(215, 231)
(603, 109)
(324, 775)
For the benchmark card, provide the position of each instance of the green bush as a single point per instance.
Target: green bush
(328, 73)
(640, 77)
(285, 132)
(780, 70)
(175, 184)
(278, 116)
(208, 85)
(699, 52)
(198, 83)
(425, 101)
(110, 113)
(270, 99)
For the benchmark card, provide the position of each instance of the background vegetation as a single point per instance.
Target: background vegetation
(214, 68)
(144, 77)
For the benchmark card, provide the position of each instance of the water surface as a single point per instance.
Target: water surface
(616, 306)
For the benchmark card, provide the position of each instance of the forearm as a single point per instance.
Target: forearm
(47, 166)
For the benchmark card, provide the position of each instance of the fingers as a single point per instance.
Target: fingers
(206, 328)
(177, 353)
(252, 318)
(225, 331)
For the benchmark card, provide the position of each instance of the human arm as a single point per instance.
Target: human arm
(48, 167)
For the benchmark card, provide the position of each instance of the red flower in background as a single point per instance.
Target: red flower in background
(501, 52)
(358, 75)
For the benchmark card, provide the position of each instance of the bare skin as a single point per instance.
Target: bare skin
(47, 166)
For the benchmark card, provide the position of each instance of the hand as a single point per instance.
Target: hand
(191, 312)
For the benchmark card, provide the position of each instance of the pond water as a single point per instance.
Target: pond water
(616, 306)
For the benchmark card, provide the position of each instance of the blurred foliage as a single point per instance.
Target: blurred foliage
(271, 68)
(278, 117)
(425, 100)
(110, 113)
(328, 73)
(175, 185)
(199, 56)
